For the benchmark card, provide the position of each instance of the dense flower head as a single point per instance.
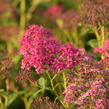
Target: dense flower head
(38, 47)
(88, 84)
(100, 104)
(45, 103)
(38, 31)
(92, 13)
(68, 57)
(83, 97)
(41, 51)
(95, 12)
(70, 93)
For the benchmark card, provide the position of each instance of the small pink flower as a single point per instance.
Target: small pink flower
(101, 104)
(55, 10)
(106, 44)
(100, 50)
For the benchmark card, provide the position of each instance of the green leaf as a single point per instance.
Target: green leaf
(36, 94)
(12, 97)
(59, 84)
(68, 4)
(93, 43)
(105, 25)
(42, 82)
(65, 71)
(2, 90)
(17, 58)
(3, 45)
(45, 4)
(3, 93)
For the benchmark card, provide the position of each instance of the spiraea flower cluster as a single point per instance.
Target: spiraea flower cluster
(95, 12)
(91, 12)
(88, 87)
(41, 51)
(68, 57)
(38, 48)
(44, 103)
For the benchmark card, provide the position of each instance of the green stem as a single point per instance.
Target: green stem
(65, 85)
(51, 81)
(65, 80)
(27, 103)
(2, 106)
(67, 33)
(1, 103)
(97, 36)
(34, 5)
(53, 89)
(102, 36)
(22, 17)
(102, 39)
(76, 37)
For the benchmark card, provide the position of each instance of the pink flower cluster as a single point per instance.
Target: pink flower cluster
(89, 89)
(41, 51)
(55, 10)
(38, 48)
(96, 90)
(83, 97)
(68, 57)
(70, 92)
(106, 44)
(101, 104)
(103, 51)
